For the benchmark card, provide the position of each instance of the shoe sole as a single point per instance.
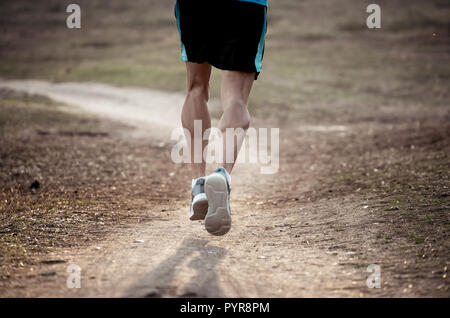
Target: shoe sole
(218, 218)
(200, 209)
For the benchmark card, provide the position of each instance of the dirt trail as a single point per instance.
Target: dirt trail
(277, 248)
(154, 111)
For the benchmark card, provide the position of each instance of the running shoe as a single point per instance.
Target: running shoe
(199, 202)
(217, 189)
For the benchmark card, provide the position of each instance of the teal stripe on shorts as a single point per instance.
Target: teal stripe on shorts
(261, 2)
(183, 49)
(259, 55)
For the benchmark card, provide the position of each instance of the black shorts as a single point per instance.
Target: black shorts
(227, 34)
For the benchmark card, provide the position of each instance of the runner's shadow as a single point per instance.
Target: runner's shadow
(159, 282)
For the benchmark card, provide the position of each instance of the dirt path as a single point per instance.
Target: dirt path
(283, 242)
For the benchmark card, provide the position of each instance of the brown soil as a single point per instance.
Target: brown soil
(111, 201)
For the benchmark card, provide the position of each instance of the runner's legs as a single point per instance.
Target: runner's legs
(196, 108)
(235, 90)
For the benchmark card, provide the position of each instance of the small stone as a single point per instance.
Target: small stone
(35, 185)
(48, 274)
(138, 241)
(53, 262)
(152, 293)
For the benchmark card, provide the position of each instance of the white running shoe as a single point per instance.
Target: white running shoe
(199, 202)
(217, 189)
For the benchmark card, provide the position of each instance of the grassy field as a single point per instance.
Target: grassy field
(320, 57)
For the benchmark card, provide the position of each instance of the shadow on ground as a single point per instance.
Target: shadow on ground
(200, 257)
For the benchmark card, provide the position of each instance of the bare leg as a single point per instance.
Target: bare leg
(235, 90)
(196, 108)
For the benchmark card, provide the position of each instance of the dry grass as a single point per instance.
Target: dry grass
(91, 179)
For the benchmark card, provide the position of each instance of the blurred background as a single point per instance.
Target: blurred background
(320, 56)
